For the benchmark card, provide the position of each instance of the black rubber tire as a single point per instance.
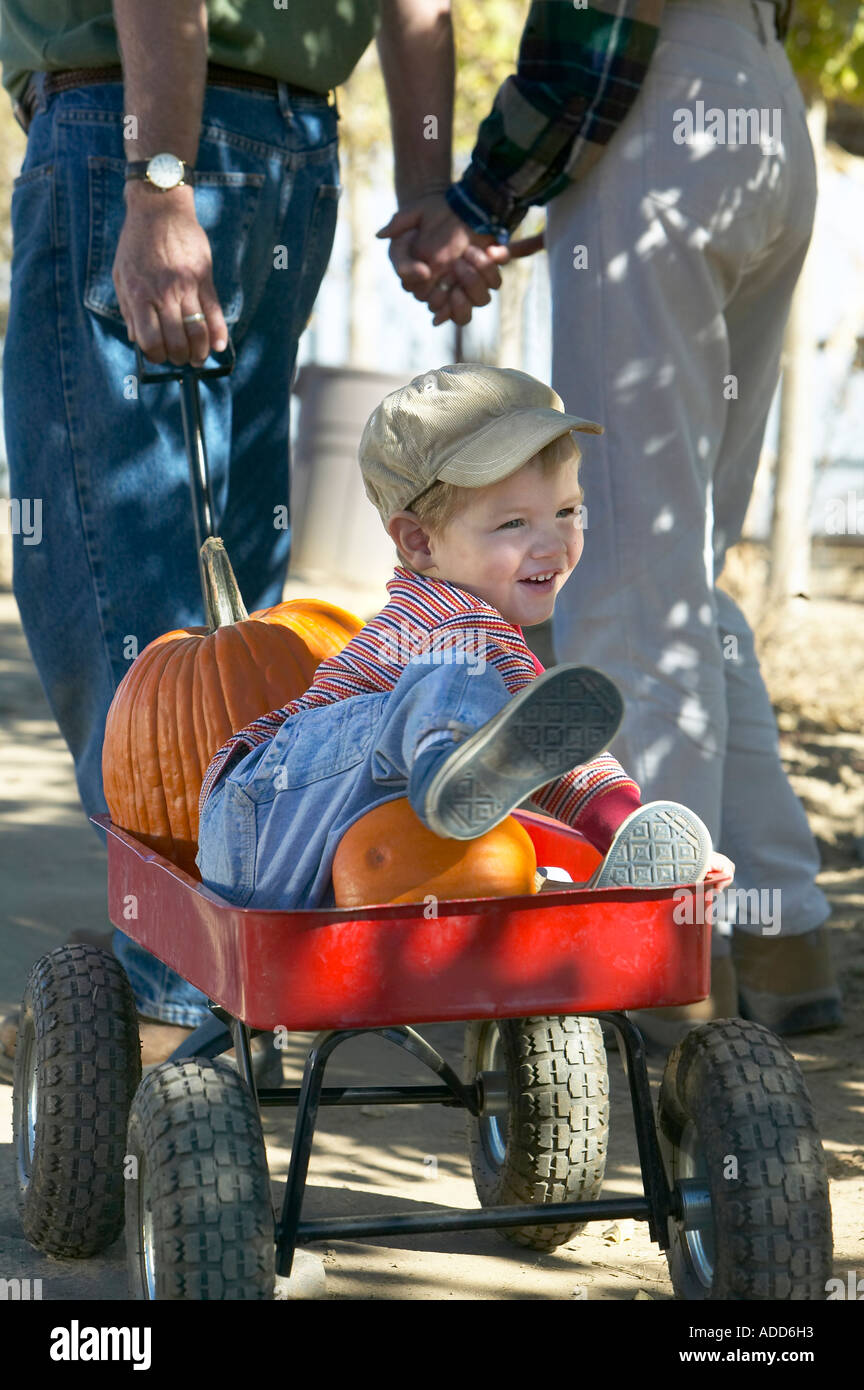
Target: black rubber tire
(555, 1135)
(732, 1090)
(79, 1021)
(200, 1163)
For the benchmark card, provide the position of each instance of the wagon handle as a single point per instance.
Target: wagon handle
(193, 433)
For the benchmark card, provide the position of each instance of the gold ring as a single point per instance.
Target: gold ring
(194, 318)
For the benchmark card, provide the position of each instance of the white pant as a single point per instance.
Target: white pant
(693, 252)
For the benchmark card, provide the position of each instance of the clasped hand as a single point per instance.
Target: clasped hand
(445, 264)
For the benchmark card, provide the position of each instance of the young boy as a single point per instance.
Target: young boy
(474, 472)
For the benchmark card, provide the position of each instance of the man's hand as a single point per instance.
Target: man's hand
(442, 262)
(163, 271)
(443, 301)
(439, 238)
(163, 266)
(430, 244)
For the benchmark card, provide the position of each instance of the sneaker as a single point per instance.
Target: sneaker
(787, 983)
(561, 720)
(659, 845)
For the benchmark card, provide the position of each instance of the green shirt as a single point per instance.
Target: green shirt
(311, 43)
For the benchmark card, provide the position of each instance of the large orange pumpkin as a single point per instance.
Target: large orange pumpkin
(389, 856)
(190, 689)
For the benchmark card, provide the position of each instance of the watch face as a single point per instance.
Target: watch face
(165, 170)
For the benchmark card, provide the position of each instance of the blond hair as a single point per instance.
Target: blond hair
(441, 502)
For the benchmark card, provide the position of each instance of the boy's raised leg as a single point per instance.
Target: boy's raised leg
(564, 718)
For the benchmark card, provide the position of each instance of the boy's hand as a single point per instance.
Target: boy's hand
(725, 867)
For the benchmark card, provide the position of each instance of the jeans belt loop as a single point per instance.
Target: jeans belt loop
(25, 109)
(284, 98)
(284, 94)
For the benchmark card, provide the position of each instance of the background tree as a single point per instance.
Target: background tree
(826, 48)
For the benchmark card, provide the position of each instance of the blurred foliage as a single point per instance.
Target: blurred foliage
(825, 45)
(487, 34)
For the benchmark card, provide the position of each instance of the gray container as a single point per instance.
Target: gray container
(336, 532)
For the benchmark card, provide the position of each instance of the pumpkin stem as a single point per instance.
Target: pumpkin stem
(223, 601)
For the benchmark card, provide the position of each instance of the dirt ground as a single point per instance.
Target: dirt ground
(374, 1159)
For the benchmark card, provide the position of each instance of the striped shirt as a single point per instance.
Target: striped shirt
(427, 619)
(579, 72)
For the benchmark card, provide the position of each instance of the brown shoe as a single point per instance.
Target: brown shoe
(664, 1028)
(787, 983)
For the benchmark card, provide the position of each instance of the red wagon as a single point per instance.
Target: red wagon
(734, 1180)
(735, 1189)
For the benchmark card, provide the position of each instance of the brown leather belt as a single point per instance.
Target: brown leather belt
(217, 76)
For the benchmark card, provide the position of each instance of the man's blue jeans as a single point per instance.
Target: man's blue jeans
(113, 563)
(271, 826)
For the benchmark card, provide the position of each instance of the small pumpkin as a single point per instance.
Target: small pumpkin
(190, 689)
(390, 856)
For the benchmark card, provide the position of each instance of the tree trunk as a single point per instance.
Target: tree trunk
(793, 484)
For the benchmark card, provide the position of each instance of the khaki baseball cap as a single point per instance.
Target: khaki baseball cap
(467, 424)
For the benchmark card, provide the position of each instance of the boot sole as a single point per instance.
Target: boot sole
(564, 718)
(658, 846)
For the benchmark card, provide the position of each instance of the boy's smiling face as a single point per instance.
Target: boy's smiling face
(527, 524)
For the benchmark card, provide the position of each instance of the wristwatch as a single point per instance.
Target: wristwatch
(163, 171)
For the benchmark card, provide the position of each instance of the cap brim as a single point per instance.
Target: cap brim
(507, 442)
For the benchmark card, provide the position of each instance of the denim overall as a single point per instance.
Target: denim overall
(271, 826)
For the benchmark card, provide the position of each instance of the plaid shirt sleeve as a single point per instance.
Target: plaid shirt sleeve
(579, 72)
